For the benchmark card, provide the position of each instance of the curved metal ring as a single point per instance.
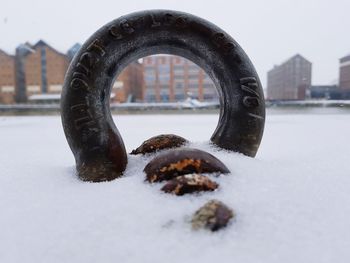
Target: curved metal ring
(91, 133)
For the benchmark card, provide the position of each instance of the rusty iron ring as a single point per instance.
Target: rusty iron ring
(97, 146)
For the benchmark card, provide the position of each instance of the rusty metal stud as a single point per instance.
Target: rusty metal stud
(160, 142)
(190, 183)
(214, 215)
(171, 164)
(91, 133)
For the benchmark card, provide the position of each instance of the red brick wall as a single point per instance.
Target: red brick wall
(132, 83)
(32, 69)
(7, 78)
(56, 64)
(344, 77)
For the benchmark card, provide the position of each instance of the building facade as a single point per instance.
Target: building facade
(290, 80)
(172, 78)
(344, 73)
(36, 75)
(7, 78)
(323, 91)
(129, 84)
(44, 70)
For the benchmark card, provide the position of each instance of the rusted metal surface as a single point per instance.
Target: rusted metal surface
(214, 215)
(93, 137)
(160, 142)
(171, 164)
(189, 183)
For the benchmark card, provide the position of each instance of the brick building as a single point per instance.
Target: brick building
(323, 91)
(290, 80)
(44, 69)
(173, 78)
(128, 87)
(7, 78)
(344, 73)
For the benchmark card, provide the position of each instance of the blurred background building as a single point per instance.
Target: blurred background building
(44, 71)
(173, 78)
(322, 91)
(7, 78)
(129, 84)
(290, 80)
(344, 72)
(35, 74)
(344, 77)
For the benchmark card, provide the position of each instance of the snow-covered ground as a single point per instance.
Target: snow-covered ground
(292, 202)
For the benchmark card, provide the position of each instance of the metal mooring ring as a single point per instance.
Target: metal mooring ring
(97, 146)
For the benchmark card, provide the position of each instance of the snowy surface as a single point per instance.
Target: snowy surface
(292, 201)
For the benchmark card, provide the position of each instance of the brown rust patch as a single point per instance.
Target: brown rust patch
(160, 142)
(190, 183)
(214, 215)
(171, 164)
(181, 165)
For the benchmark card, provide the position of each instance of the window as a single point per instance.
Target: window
(179, 85)
(179, 77)
(164, 97)
(164, 69)
(193, 86)
(193, 77)
(164, 78)
(178, 68)
(179, 96)
(150, 98)
(150, 91)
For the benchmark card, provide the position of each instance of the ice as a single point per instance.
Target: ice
(292, 201)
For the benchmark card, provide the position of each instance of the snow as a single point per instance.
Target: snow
(292, 201)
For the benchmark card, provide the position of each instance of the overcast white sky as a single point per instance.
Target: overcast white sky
(270, 31)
